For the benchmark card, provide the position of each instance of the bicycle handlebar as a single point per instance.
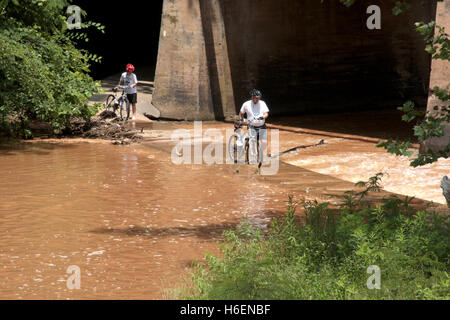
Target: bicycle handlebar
(248, 122)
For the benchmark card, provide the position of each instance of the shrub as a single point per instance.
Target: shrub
(325, 255)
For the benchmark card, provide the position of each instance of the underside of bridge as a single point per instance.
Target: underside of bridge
(131, 36)
(305, 56)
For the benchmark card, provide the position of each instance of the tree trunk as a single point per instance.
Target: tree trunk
(445, 185)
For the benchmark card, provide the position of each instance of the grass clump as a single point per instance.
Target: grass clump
(326, 254)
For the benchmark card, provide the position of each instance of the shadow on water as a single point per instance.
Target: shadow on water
(12, 147)
(210, 231)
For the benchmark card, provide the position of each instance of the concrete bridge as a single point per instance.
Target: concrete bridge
(306, 56)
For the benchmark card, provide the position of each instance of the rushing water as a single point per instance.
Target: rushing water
(356, 161)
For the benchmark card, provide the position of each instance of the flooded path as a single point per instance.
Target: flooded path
(131, 220)
(134, 222)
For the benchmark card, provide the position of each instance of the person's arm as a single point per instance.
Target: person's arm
(265, 112)
(242, 112)
(134, 85)
(120, 83)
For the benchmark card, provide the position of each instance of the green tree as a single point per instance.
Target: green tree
(43, 75)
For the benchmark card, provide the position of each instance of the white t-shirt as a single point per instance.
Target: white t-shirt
(254, 111)
(128, 80)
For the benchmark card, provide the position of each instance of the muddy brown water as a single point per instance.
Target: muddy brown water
(134, 222)
(126, 216)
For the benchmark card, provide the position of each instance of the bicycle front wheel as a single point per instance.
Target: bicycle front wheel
(235, 148)
(122, 111)
(128, 111)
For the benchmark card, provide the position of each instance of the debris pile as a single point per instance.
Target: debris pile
(105, 126)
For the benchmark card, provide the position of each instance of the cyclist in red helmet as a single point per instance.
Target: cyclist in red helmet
(128, 78)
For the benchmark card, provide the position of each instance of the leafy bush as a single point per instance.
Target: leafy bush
(325, 255)
(43, 76)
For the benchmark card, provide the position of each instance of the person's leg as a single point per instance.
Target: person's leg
(133, 100)
(253, 134)
(134, 106)
(263, 140)
(134, 111)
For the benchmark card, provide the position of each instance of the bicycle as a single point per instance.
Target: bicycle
(245, 143)
(117, 103)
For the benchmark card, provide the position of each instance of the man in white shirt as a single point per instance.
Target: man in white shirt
(257, 113)
(129, 79)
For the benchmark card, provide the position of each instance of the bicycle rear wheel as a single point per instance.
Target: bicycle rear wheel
(110, 102)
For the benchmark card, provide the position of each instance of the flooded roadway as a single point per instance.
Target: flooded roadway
(133, 222)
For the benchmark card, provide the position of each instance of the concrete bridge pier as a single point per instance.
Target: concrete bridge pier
(193, 73)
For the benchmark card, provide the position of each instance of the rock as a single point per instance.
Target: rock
(445, 185)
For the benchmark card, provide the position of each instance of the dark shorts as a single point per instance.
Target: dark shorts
(261, 132)
(132, 98)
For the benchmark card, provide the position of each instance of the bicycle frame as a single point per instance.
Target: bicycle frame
(123, 99)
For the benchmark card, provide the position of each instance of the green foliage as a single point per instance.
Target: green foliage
(400, 7)
(43, 76)
(399, 148)
(43, 15)
(428, 126)
(325, 255)
(347, 3)
(437, 42)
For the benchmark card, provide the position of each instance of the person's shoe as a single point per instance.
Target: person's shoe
(133, 119)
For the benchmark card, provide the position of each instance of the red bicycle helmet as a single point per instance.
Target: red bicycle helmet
(130, 67)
